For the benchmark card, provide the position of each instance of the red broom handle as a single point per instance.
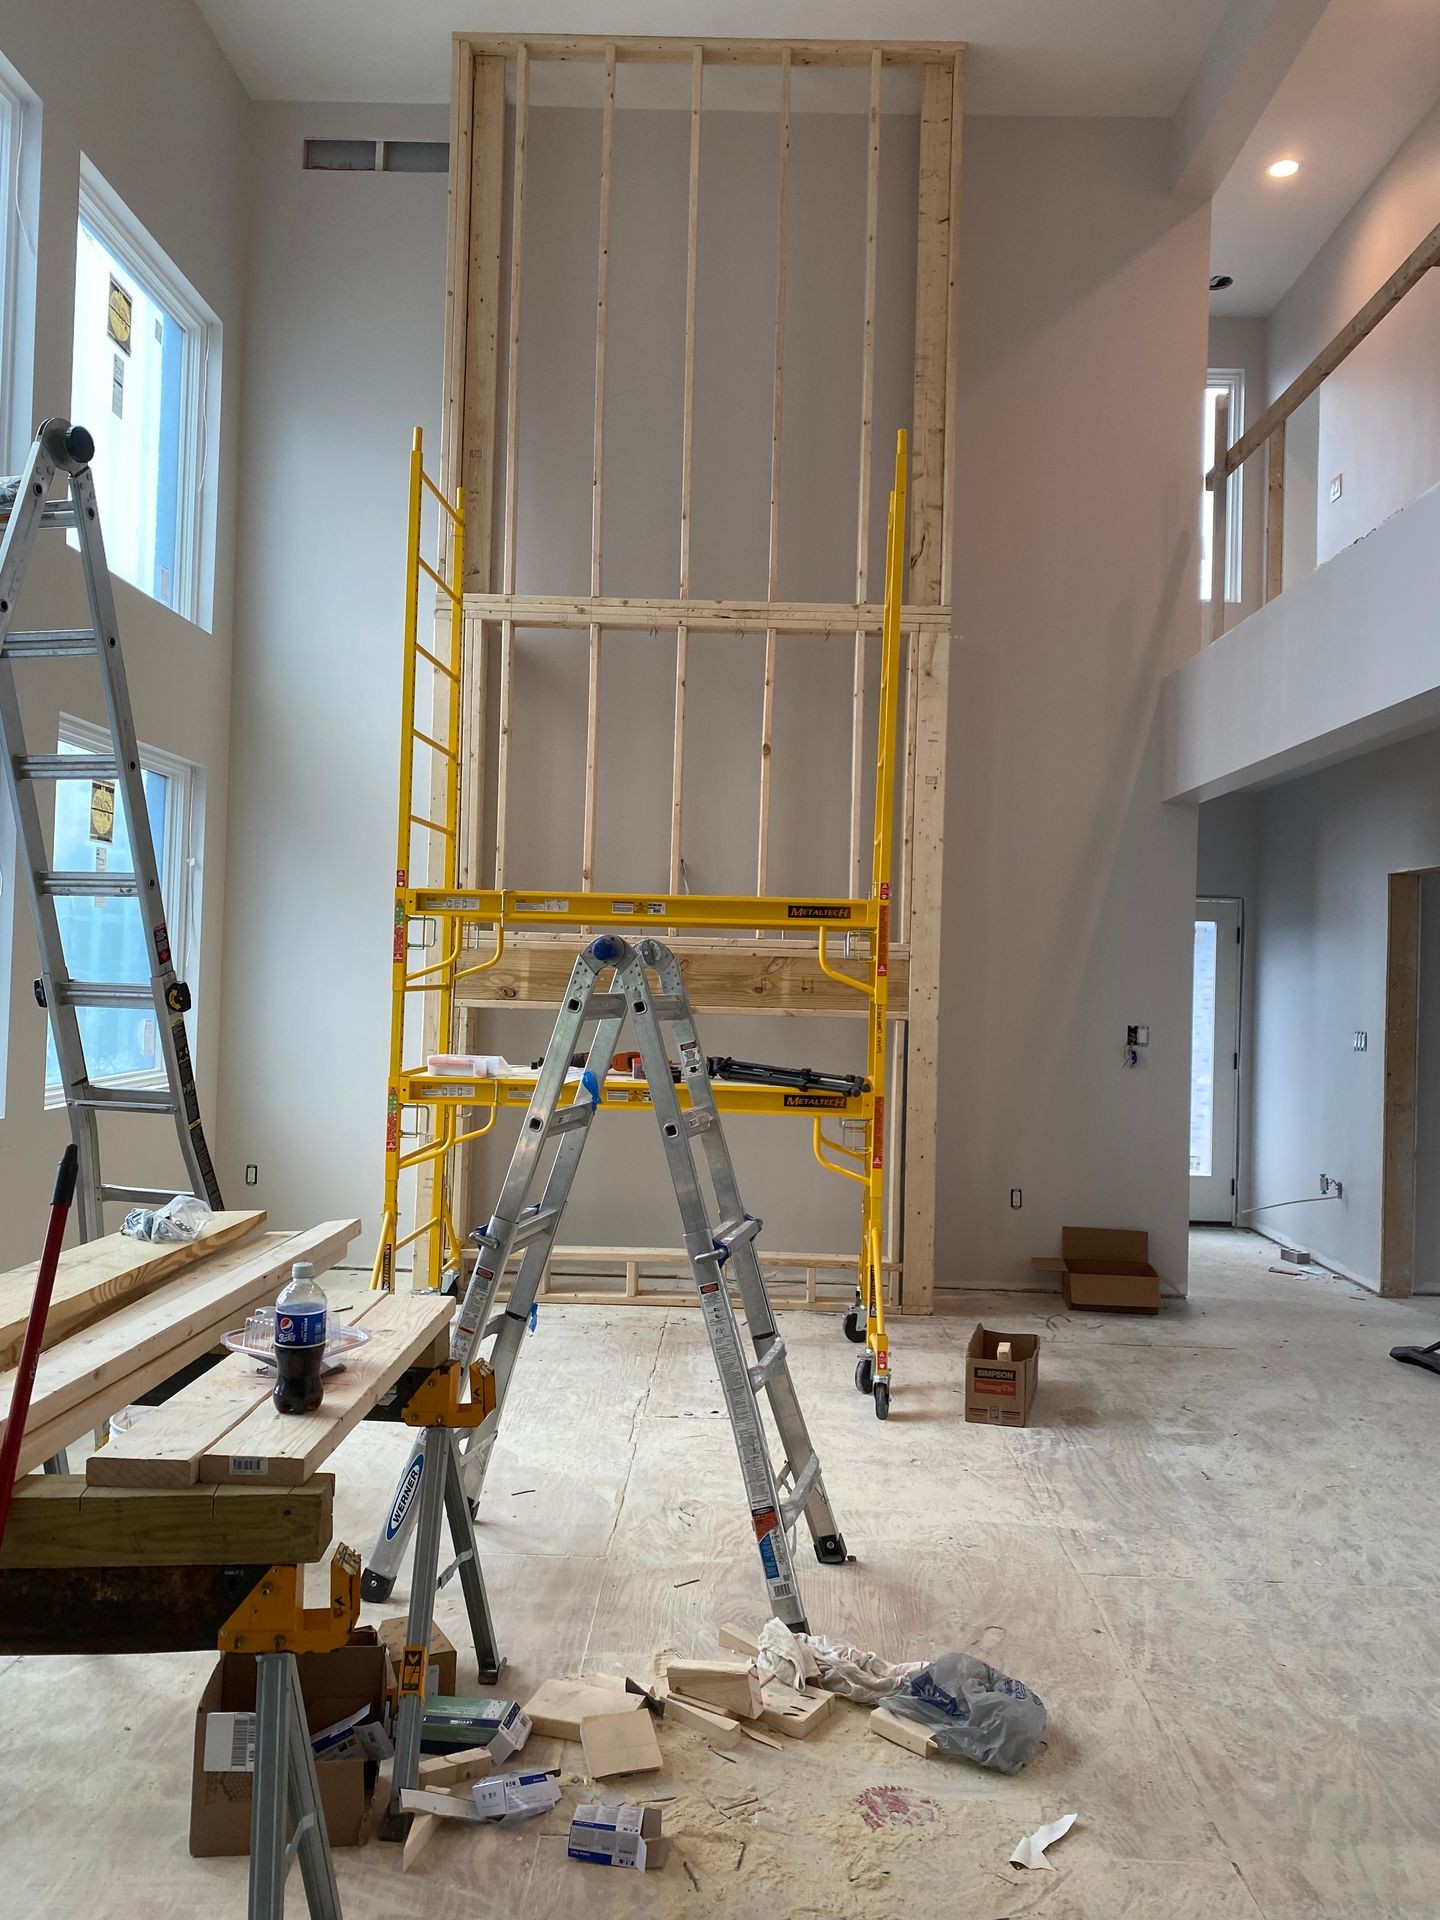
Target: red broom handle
(35, 1330)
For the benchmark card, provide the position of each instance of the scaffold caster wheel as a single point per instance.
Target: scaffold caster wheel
(854, 1326)
(865, 1373)
(882, 1399)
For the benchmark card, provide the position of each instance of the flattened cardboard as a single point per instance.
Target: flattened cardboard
(1105, 1269)
(999, 1393)
(334, 1685)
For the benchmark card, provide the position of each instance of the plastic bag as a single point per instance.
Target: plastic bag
(179, 1219)
(972, 1709)
(799, 1658)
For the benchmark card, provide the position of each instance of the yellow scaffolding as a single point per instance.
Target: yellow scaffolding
(451, 910)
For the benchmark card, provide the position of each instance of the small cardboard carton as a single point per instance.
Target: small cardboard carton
(336, 1687)
(1000, 1374)
(624, 1836)
(441, 1668)
(452, 1723)
(1106, 1269)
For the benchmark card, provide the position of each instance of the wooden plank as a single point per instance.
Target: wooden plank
(559, 610)
(558, 1706)
(98, 1278)
(952, 327)
(932, 302)
(1400, 1123)
(777, 420)
(794, 1711)
(720, 53)
(477, 470)
(1407, 275)
(859, 840)
(200, 1305)
(273, 1448)
(1275, 513)
(455, 1769)
(718, 1728)
(724, 977)
(458, 291)
(901, 1732)
(597, 476)
(687, 473)
(164, 1447)
(730, 1635)
(512, 457)
(617, 1743)
(731, 1686)
(57, 1520)
(922, 1105)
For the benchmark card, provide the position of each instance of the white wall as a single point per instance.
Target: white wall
(1327, 845)
(145, 92)
(1069, 886)
(1377, 419)
(346, 283)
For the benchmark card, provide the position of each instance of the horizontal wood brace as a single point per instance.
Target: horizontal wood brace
(697, 616)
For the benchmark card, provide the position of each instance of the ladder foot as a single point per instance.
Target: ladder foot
(488, 1676)
(830, 1550)
(376, 1586)
(394, 1826)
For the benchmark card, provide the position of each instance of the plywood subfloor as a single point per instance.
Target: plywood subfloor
(1214, 1557)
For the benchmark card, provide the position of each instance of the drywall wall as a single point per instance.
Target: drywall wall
(346, 281)
(1377, 423)
(145, 92)
(1328, 843)
(1069, 886)
(1241, 343)
(1341, 661)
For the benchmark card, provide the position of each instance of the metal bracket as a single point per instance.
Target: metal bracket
(273, 1617)
(436, 1402)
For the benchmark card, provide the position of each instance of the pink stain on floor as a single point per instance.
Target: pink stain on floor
(894, 1807)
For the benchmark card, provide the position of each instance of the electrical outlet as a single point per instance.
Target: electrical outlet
(1137, 1036)
(252, 1175)
(1361, 1041)
(1329, 1186)
(1015, 1198)
(1337, 486)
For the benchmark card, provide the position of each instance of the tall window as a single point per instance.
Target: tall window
(1229, 382)
(142, 380)
(19, 164)
(103, 936)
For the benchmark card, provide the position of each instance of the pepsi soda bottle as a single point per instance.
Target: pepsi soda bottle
(299, 1342)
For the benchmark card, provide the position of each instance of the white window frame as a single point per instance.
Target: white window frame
(176, 862)
(107, 216)
(1233, 380)
(19, 201)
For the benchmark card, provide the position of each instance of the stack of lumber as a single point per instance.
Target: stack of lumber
(132, 1314)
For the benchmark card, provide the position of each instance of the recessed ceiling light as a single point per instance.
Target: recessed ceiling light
(1283, 169)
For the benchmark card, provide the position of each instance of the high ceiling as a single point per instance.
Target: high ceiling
(1028, 56)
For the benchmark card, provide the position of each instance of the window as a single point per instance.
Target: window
(145, 363)
(1229, 381)
(1202, 1050)
(103, 935)
(19, 201)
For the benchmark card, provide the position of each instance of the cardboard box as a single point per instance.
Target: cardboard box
(335, 1686)
(1000, 1374)
(1105, 1269)
(624, 1836)
(452, 1724)
(441, 1669)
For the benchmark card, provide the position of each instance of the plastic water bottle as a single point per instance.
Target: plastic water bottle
(299, 1342)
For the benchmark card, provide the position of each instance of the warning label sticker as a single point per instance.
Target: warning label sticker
(412, 1670)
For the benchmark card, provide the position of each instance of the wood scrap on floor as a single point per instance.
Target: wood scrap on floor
(793, 1711)
(618, 1743)
(732, 1686)
(454, 1769)
(558, 1706)
(718, 1728)
(732, 1636)
(757, 1734)
(423, 1829)
(904, 1733)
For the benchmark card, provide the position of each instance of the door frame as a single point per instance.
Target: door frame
(1238, 902)
(1400, 1125)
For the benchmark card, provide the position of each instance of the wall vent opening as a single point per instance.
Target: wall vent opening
(416, 156)
(340, 156)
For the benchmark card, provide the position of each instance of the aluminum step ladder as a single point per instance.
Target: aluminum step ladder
(720, 1245)
(62, 452)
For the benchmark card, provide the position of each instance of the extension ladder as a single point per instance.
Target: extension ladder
(63, 452)
(720, 1245)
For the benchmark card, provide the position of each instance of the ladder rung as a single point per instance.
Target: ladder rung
(792, 1508)
(138, 1196)
(49, 646)
(96, 883)
(735, 1232)
(533, 1226)
(568, 1118)
(105, 993)
(606, 1006)
(769, 1361)
(122, 1099)
(67, 766)
(666, 1007)
(59, 513)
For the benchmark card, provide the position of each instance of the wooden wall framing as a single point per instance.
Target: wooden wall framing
(481, 450)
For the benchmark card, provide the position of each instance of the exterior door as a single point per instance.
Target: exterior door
(1215, 1061)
